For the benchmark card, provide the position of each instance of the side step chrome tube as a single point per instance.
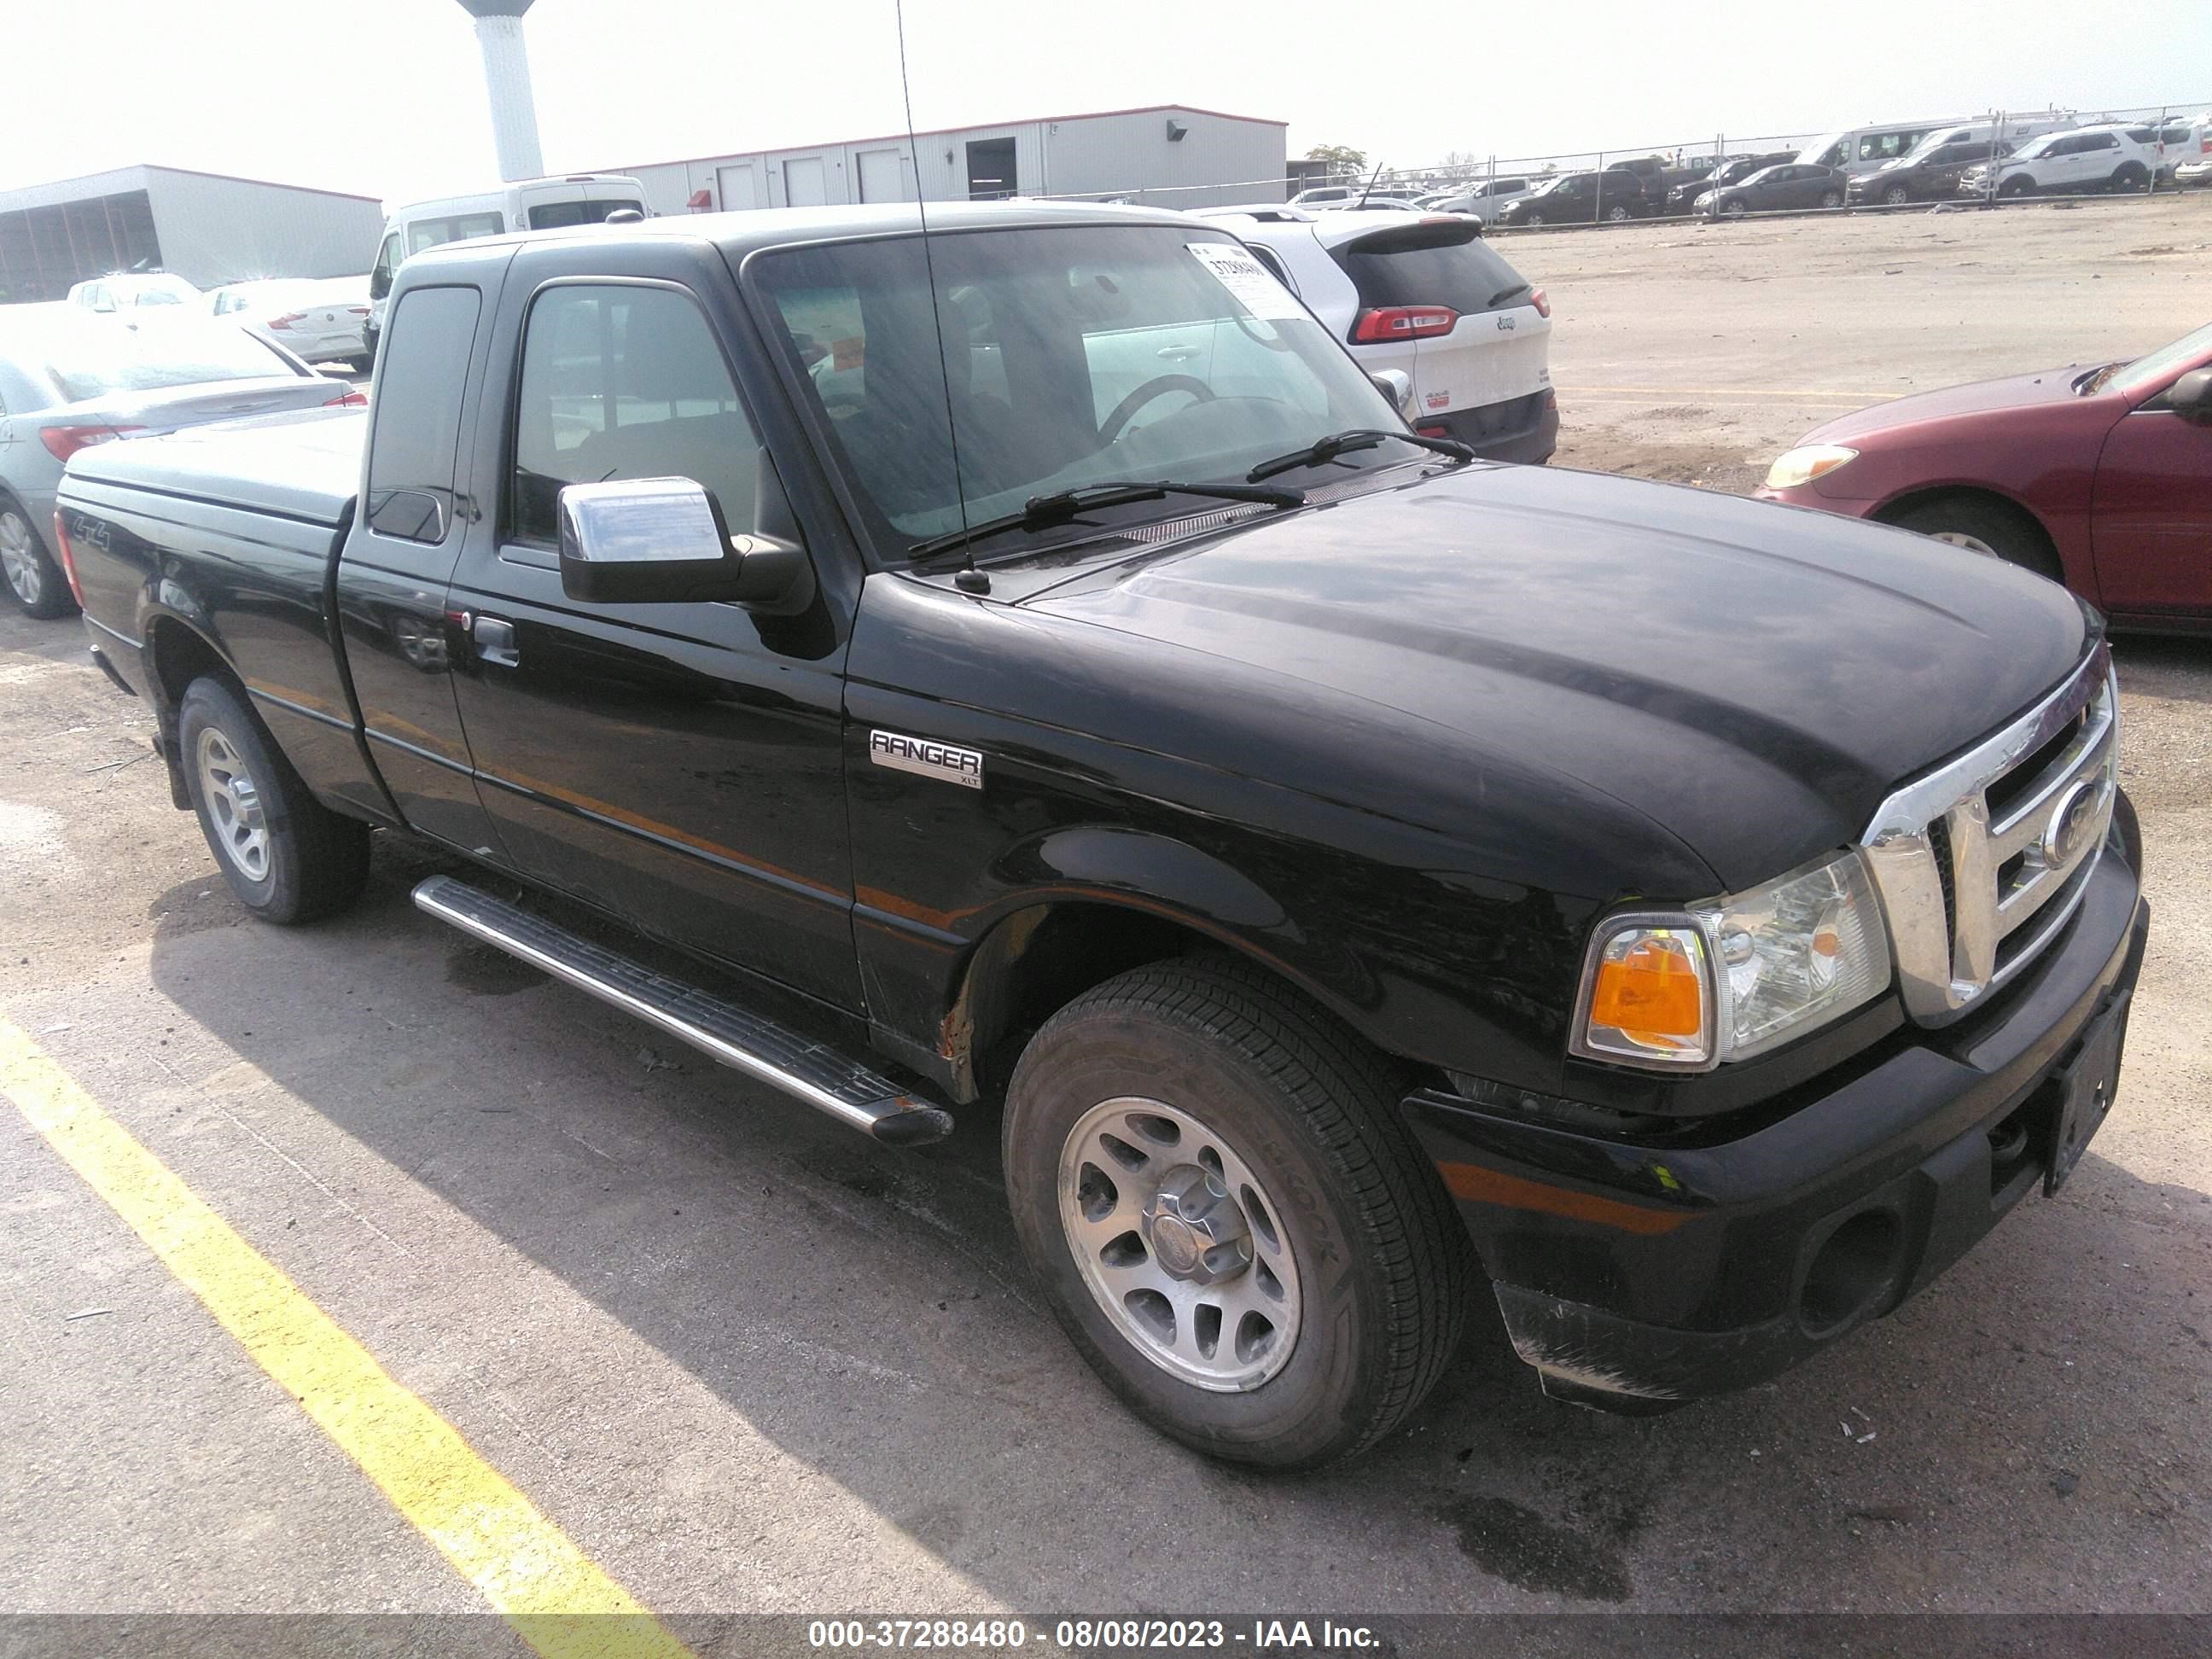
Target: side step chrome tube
(740, 1039)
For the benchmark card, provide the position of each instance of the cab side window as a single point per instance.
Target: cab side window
(418, 413)
(621, 381)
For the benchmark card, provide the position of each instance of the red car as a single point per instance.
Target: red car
(2101, 478)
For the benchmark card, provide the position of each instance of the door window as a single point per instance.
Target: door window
(418, 413)
(621, 381)
(465, 227)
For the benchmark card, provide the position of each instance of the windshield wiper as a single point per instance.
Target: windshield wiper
(1043, 512)
(1324, 450)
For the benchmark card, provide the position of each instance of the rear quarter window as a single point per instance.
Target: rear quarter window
(1430, 265)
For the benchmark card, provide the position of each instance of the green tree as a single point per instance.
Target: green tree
(1341, 158)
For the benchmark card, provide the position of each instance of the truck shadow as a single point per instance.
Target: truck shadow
(866, 1312)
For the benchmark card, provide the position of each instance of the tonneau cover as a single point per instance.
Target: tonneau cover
(303, 463)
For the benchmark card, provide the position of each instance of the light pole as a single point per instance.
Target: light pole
(506, 83)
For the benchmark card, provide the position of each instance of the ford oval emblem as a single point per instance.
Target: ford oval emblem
(2072, 822)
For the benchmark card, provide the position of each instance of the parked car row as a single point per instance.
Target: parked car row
(1889, 166)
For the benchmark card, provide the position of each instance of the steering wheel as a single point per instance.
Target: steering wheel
(1159, 387)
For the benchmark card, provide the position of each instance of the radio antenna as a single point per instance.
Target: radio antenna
(969, 579)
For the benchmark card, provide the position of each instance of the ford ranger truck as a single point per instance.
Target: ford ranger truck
(1026, 661)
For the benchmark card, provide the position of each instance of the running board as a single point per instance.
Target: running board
(740, 1039)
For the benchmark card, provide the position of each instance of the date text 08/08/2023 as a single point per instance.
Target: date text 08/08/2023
(1095, 1635)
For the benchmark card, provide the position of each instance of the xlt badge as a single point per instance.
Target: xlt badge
(928, 758)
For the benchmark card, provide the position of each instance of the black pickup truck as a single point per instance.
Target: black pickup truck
(1034, 656)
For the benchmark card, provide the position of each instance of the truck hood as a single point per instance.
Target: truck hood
(1753, 679)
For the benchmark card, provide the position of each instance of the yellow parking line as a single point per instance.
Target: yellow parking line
(556, 1598)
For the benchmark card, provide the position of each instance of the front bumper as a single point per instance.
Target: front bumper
(1635, 1275)
(1524, 429)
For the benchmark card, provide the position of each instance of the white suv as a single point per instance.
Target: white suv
(1424, 294)
(2086, 158)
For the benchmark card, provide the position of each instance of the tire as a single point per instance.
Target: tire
(1369, 1267)
(1986, 526)
(1618, 214)
(288, 857)
(28, 572)
(1534, 221)
(1896, 196)
(2130, 176)
(1831, 200)
(2018, 186)
(1735, 209)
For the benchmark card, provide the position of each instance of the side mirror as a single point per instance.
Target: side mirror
(2191, 396)
(1398, 386)
(653, 541)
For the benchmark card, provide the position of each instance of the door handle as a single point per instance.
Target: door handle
(495, 641)
(1178, 354)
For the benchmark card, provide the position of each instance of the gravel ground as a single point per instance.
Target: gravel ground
(749, 1361)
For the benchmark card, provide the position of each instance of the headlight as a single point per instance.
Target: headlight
(1802, 466)
(1733, 978)
(1704, 198)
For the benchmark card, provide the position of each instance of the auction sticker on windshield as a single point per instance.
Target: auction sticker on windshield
(1244, 276)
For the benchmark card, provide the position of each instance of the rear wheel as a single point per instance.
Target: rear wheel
(32, 577)
(2131, 175)
(288, 857)
(1234, 1227)
(1990, 527)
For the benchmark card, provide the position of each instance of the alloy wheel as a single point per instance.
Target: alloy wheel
(234, 804)
(18, 558)
(1179, 1243)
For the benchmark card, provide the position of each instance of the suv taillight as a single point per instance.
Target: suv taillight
(69, 559)
(1403, 323)
(1541, 300)
(64, 441)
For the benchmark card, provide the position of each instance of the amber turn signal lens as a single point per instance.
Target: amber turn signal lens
(1651, 992)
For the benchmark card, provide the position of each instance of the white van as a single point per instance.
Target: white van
(1860, 151)
(581, 198)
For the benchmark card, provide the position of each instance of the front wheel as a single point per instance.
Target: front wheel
(1994, 528)
(1211, 1180)
(1832, 198)
(1735, 209)
(288, 857)
(2016, 186)
(1896, 196)
(32, 577)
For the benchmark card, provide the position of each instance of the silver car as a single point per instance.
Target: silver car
(69, 378)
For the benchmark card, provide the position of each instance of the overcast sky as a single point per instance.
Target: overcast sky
(386, 97)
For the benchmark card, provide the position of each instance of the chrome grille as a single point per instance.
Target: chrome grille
(1980, 863)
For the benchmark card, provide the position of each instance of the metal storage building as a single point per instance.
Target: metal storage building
(207, 228)
(1166, 155)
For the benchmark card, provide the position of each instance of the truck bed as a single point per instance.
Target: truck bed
(303, 464)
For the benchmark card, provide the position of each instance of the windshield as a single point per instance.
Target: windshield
(1070, 355)
(93, 362)
(2161, 364)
